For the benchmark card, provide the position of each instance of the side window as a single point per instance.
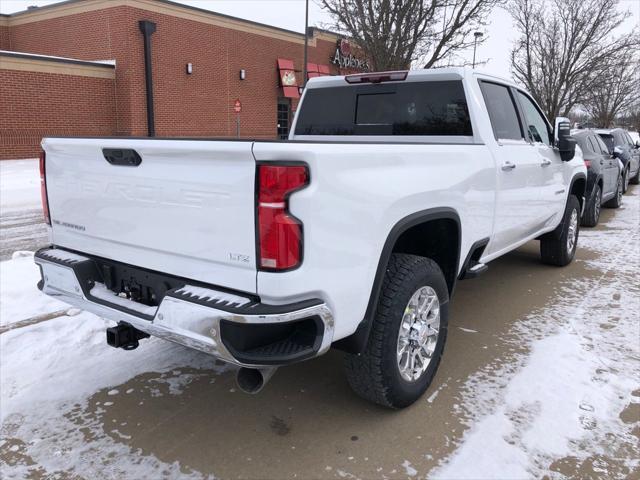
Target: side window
(603, 147)
(502, 111)
(537, 127)
(591, 146)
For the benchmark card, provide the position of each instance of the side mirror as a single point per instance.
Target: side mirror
(617, 152)
(637, 143)
(563, 140)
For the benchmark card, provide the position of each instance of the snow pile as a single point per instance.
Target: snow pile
(565, 400)
(20, 300)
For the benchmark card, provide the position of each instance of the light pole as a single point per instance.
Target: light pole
(476, 37)
(306, 43)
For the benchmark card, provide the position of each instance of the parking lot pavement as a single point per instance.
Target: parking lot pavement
(539, 377)
(21, 230)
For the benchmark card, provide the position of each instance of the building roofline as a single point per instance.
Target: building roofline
(132, 3)
(49, 58)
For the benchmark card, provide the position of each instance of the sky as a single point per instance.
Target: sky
(494, 51)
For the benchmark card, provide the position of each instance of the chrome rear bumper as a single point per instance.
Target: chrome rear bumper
(192, 316)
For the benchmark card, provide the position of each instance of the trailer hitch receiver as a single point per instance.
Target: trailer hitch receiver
(125, 336)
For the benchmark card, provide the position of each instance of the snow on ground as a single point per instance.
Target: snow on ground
(19, 304)
(49, 370)
(21, 221)
(19, 185)
(565, 402)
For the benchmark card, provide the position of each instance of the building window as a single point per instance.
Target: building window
(284, 118)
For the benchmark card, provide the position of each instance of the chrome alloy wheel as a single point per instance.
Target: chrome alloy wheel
(573, 231)
(418, 335)
(597, 201)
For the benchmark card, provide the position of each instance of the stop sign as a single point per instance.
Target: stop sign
(237, 106)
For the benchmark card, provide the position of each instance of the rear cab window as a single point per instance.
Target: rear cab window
(427, 108)
(502, 111)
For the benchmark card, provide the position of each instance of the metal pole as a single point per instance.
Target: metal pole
(148, 28)
(238, 125)
(476, 36)
(306, 43)
(475, 42)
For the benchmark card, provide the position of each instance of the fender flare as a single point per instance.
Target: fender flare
(582, 199)
(357, 341)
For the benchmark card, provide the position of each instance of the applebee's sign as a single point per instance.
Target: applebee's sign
(343, 57)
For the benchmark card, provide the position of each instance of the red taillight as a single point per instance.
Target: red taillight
(279, 233)
(587, 163)
(43, 189)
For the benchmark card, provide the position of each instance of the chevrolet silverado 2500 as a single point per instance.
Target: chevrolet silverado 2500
(352, 234)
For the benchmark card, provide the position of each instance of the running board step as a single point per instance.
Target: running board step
(475, 270)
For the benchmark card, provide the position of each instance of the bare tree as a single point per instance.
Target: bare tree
(615, 91)
(564, 47)
(393, 34)
(631, 118)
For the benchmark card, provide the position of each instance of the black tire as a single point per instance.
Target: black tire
(554, 246)
(625, 180)
(616, 201)
(591, 213)
(635, 180)
(375, 374)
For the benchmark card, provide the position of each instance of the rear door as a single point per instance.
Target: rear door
(609, 167)
(187, 208)
(635, 154)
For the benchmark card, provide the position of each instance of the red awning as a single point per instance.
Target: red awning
(288, 79)
(316, 70)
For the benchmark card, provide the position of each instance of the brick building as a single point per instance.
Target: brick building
(79, 68)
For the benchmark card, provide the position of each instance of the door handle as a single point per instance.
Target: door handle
(508, 165)
(545, 163)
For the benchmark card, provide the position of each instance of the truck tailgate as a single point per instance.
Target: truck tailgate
(187, 209)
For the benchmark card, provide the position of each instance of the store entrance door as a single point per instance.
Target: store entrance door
(284, 118)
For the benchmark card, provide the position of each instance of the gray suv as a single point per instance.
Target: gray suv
(620, 143)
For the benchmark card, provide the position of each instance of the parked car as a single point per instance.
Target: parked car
(392, 187)
(604, 176)
(628, 152)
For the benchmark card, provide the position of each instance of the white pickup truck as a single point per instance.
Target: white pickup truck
(352, 234)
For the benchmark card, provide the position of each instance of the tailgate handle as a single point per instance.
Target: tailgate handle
(125, 157)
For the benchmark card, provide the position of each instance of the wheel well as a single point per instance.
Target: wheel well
(578, 188)
(431, 233)
(438, 240)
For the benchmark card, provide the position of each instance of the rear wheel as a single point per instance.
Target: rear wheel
(559, 247)
(625, 180)
(407, 336)
(592, 211)
(616, 201)
(636, 179)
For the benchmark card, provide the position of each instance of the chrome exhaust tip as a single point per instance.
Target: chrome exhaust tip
(252, 380)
